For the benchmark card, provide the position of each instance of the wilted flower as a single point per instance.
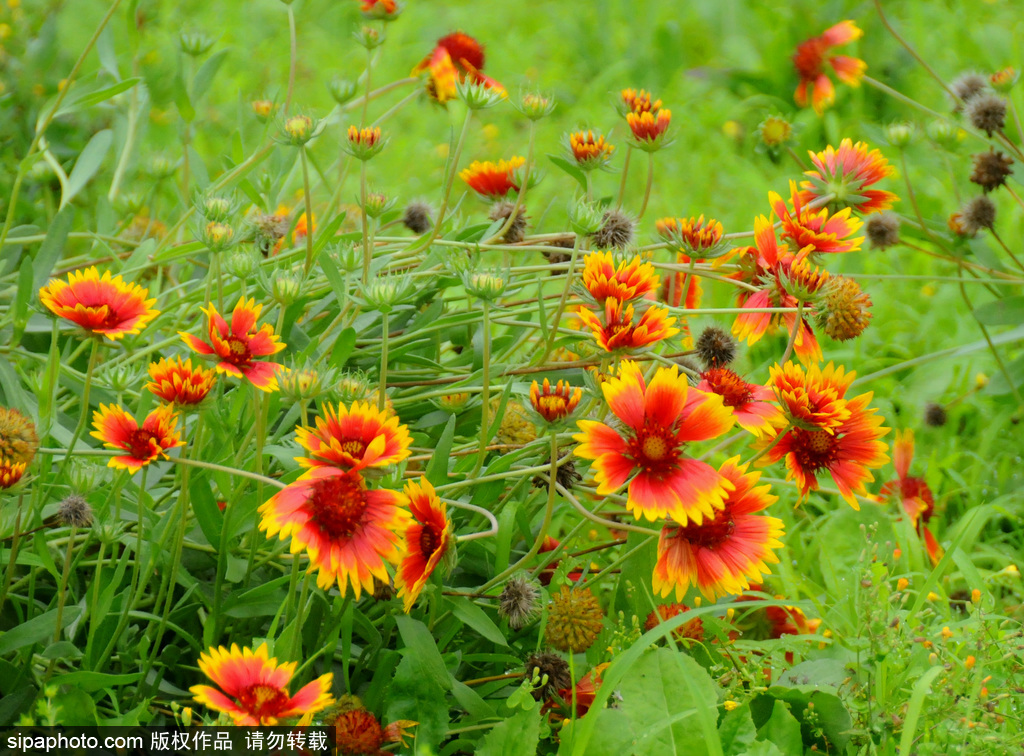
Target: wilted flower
(991, 169)
(18, 438)
(883, 230)
(987, 112)
(417, 218)
(616, 231)
(978, 213)
(844, 311)
(74, 511)
(517, 602)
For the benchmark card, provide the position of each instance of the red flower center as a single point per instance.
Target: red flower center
(111, 317)
(358, 731)
(238, 351)
(354, 447)
(809, 57)
(139, 443)
(263, 701)
(735, 391)
(813, 449)
(338, 504)
(655, 449)
(710, 534)
(430, 541)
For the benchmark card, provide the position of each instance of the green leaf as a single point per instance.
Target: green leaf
(437, 470)
(420, 699)
(516, 736)
(37, 629)
(921, 689)
(661, 696)
(342, 347)
(334, 277)
(182, 100)
(477, 619)
(52, 248)
(782, 729)
(204, 77)
(87, 165)
(328, 232)
(764, 748)
(1009, 311)
(262, 601)
(736, 731)
(75, 707)
(90, 681)
(208, 514)
(100, 95)
(571, 169)
(421, 648)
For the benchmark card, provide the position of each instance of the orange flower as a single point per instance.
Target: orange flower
(178, 382)
(833, 434)
(237, 344)
(454, 57)
(10, 471)
(103, 305)
(660, 419)
(119, 430)
(846, 174)
(427, 540)
(358, 732)
(618, 332)
(366, 137)
(586, 691)
(781, 276)
(639, 102)
(751, 403)
(354, 438)
(255, 687)
(554, 405)
(694, 629)
(589, 151)
(648, 128)
(912, 492)
(691, 234)
(492, 180)
(348, 531)
(813, 231)
(721, 555)
(625, 280)
(384, 10)
(812, 56)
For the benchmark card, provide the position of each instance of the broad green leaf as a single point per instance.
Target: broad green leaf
(37, 629)
(100, 95)
(88, 164)
(204, 77)
(419, 698)
(571, 169)
(75, 707)
(437, 470)
(90, 681)
(1009, 311)
(516, 736)
(736, 731)
(182, 100)
(782, 729)
(477, 619)
(921, 690)
(422, 650)
(209, 516)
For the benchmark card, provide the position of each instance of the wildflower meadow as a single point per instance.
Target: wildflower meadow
(594, 379)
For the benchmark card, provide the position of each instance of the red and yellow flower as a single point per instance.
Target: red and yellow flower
(751, 403)
(492, 180)
(455, 58)
(690, 235)
(692, 630)
(815, 231)
(349, 532)
(238, 344)
(177, 382)
(784, 280)
(427, 541)
(618, 332)
(649, 127)
(912, 492)
(119, 430)
(383, 10)
(590, 151)
(660, 419)
(103, 305)
(254, 687)
(846, 174)
(639, 102)
(359, 733)
(829, 433)
(811, 58)
(624, 280)
(354, 438)
(554, 404)
(10, 471)
(722, 554)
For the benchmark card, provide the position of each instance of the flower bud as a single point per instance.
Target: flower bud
(535, 106)
(364, 144)
(353, 387)
(216, 208)
(242, 264)
(263, 109)
(285, 287)
(299, 129)
(349, 256)
(342, 90)
(479, 94)
(302, 384)
(377, 203)
(585, 218)
(195, 43)
(161, 167)
(484, 285)
(385, 293)
(217, 236)
(369, 37)
(899, 134)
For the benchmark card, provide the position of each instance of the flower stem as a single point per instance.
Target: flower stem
(299, 614)
(553, 333)
(797, 323)
(83, 406)
(625, 173)
(292, 59)
(309, 205)
(485, 392)
(12, 559)
(650, 184)
(262, 410)
(450, 180)
(522, 190)
(912, 51)
(62, 590)
(367, 251)
(382, 393)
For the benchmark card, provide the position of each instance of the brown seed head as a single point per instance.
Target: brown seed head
(977, 214)
(74, 512)
(986, 111)
(991, 169)
(501, 210)
(616, 231)
(574, 620)
(715, 347)
(552, 666)
(845, 310)
(883, 230)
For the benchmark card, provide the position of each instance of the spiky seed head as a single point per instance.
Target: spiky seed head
(416, 217)
(501, 210)
(575, 620)
(715, 347)
(518, 601)
(991, 169)
(967, 86)
(551, 672)
(75, 512)
(935, 415)
(883, 230)
(18, 439)
(845, 310)
(977, 214)
(986, 111)
(616, 231)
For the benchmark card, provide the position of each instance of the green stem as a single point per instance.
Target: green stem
(625, 173)
(520, 198)
(83, 407)
(572, 683)
(262, 402)
(913, 52)
(382, 393)
(553, 333)
(299, 615)
(485, 392)
(367, 252)
(797, 322)
(650, 184)
(12, 559)
(292, 59)
(450, 179)
(62, 591)
(309, 205)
